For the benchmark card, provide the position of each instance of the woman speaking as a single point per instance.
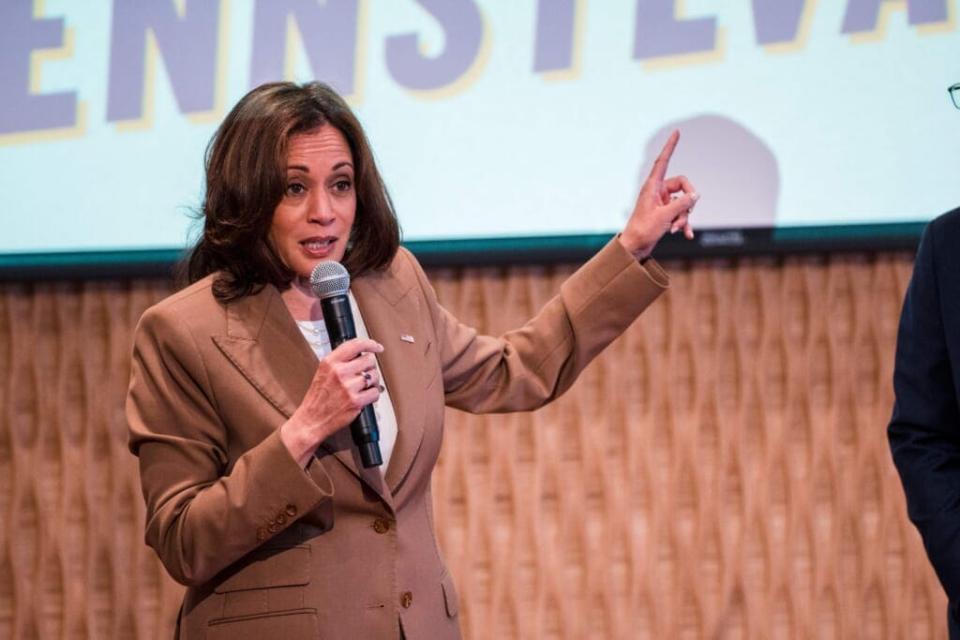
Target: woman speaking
(239, 410)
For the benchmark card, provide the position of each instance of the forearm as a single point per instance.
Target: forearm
(198, 528)
(525, 368)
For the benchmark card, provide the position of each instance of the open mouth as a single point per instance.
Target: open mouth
(315, 244)
(318, 247)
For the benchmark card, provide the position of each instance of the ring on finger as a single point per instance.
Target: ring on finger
(367, 379)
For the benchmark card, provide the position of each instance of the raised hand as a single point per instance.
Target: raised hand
(663, 204)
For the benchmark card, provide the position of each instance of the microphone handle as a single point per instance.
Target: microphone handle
(366, 436)
(338, 318)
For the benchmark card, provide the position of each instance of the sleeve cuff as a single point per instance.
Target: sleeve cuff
(290, 492)
(656, 272)
(616, 274)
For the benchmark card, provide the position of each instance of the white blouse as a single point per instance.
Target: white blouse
(315, 331)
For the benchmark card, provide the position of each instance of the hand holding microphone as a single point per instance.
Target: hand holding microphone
(330, 282)
(346, 383)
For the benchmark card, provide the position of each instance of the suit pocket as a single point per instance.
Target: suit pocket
(295, 623)
(449, 596)
(269, 568)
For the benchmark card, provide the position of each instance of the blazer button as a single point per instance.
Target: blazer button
(406, 599)
(291, 510)
(381, 525)
(262, 534)
(273, 527)
(281, 519)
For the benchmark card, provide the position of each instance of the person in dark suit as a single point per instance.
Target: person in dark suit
(924, 431)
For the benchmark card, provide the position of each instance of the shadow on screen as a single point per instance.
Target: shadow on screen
(734, 171)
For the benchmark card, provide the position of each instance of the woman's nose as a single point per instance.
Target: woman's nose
(321, 208)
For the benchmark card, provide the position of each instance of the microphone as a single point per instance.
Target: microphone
(330, 282)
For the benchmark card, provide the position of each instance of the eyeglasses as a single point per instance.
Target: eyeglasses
(954, 92)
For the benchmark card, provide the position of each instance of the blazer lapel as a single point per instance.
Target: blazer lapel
(264, 344)
(390, 314)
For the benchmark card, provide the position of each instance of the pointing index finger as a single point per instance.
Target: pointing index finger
(659, 169)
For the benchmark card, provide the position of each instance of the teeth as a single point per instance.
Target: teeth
(317, 244)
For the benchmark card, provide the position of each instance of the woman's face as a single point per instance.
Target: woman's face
(313, 220)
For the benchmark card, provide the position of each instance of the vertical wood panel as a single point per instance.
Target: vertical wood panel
(721, 471)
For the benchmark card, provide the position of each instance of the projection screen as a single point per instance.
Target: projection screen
(489, 119)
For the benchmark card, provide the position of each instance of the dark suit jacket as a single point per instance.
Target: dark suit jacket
(271, 550)
(924, 431)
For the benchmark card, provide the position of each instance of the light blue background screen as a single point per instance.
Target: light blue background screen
(822, 127)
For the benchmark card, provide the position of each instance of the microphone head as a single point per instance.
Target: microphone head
(329, 279)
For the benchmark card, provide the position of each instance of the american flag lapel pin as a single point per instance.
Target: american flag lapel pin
(407, 338)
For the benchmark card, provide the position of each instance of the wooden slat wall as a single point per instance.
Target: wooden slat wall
(721, 472)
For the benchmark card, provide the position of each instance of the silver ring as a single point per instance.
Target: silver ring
(367, 379)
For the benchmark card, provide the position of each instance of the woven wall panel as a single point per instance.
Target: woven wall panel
(721, 472)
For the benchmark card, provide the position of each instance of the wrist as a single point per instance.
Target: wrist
(638, 250)
(297, 441)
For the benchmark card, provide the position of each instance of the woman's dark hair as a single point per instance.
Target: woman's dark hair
(246, 179)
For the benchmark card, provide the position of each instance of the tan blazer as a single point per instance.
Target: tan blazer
(269, 549)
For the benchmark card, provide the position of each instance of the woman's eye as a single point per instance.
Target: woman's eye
(295, 188)
(342, 185)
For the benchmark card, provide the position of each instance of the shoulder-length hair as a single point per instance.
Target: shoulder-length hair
(246, 179)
